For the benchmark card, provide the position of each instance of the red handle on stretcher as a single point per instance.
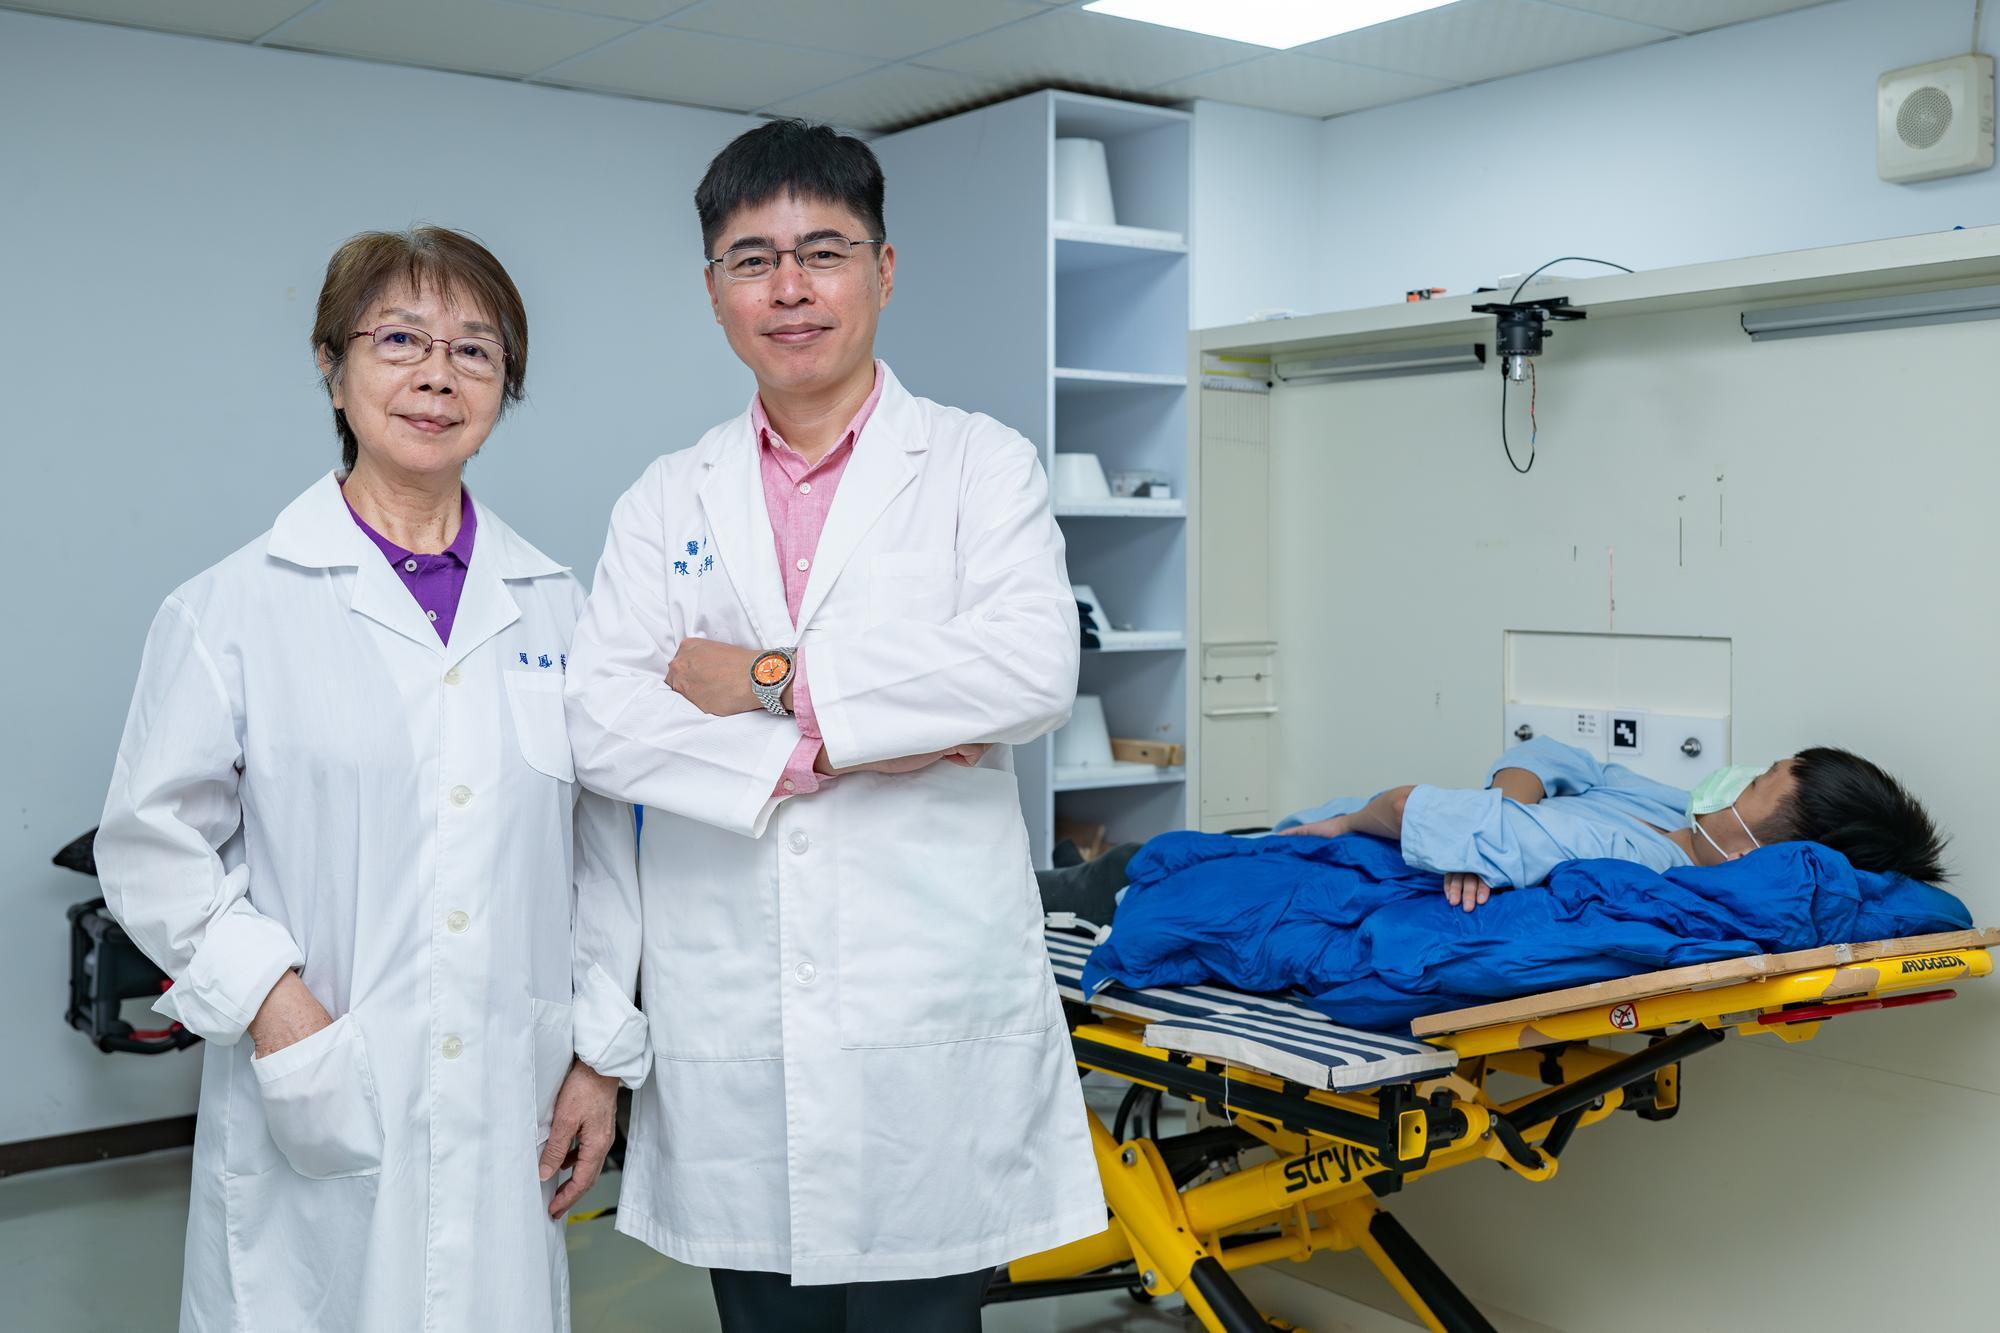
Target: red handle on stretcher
(1813, 1013)
(157, 1034)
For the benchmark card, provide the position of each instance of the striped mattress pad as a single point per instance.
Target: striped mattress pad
(1274, 1034)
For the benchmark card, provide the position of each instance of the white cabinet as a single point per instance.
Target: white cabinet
(1075, 335)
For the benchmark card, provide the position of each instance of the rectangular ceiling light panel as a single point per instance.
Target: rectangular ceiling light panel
(1281, 24)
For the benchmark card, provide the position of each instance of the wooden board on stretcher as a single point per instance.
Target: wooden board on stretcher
(1701, 976)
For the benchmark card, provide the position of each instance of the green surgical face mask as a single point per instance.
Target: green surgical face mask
(1719, 790)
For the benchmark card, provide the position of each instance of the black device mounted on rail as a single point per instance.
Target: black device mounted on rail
(106, 969)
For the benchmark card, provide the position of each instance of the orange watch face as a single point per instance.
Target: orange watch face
(770, 669)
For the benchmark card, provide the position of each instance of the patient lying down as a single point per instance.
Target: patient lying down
(1546, 803)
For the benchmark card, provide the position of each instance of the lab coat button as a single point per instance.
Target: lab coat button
(451, 677)
(457, 922)
(799, 843)
(461, 796)
(453, 1048)
(805, 973)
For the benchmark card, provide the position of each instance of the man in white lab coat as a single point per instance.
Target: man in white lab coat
(812, 639)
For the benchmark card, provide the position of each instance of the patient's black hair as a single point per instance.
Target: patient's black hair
(1844, 802)
(790, 157)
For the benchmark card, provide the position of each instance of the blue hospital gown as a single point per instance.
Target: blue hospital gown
(1591, 810)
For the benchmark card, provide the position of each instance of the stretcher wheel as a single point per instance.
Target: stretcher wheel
(1140, 1294)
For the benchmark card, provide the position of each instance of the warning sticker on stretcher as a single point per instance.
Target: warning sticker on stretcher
(1625, 1017)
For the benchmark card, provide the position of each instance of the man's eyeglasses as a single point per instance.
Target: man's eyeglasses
(751, 263)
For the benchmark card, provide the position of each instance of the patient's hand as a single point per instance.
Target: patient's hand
(1464, 889)
(1320, 828)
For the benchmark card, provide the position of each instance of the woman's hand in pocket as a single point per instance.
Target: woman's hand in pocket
(586, 1122)
(290, 1013)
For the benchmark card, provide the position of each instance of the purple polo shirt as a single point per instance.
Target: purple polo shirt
(434, 580)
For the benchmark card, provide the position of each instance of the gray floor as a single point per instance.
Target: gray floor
(98, 1247)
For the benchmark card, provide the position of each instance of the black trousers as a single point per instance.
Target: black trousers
(1090, 889)
(769, 1303)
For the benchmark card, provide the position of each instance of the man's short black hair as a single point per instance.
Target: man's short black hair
(790, 157)
(1844, 802)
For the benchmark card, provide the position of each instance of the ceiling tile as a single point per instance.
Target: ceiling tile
(701, 70)
(1303, 86)
(1070, 46)
(885, 29)
(480, 36)
(1690, 15)
(893, 96)
(241, 20)
(1475, 40)
(638, 11)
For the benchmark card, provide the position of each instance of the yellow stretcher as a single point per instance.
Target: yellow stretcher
(1350, 1118)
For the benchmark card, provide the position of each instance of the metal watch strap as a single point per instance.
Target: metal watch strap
(773, 696)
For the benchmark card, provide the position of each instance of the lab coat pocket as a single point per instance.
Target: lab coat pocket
(939, 940)
(553, 1045)
(320, 1103)
(536, 700)
(913, 585)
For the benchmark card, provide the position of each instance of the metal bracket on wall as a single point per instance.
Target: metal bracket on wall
(1239, 679)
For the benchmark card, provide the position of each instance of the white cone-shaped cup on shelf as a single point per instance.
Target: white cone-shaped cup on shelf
(1085, 741)
(1083, 183)
(1080, 479)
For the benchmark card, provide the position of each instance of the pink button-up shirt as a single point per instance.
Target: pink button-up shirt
(798, 496)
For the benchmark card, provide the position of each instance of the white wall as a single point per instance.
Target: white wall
(1256, 221)
(169, 206)
(1742, 141)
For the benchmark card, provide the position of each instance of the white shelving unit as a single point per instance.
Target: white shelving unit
(1072, 380)
(1116, 775)
(1089, 355)
(1119, 507)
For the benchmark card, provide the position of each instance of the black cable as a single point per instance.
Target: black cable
(1126, 1105)
(1524, 471)
(1563, 259)
(1505, 445)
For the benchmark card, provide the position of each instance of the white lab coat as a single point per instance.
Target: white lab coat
(310, 778)
(861, 1070)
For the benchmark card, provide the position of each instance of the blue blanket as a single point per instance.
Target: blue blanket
(1372, 943)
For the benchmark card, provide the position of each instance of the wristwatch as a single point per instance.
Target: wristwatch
(769, 674)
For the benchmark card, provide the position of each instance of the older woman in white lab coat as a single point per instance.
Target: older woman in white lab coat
(344, 819)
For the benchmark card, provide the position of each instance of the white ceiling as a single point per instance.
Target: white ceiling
(883, 64)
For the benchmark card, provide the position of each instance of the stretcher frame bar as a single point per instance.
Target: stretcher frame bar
(1696, 977)
(1732, 1005)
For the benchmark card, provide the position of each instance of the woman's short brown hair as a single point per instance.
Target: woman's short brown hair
(449, 264)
